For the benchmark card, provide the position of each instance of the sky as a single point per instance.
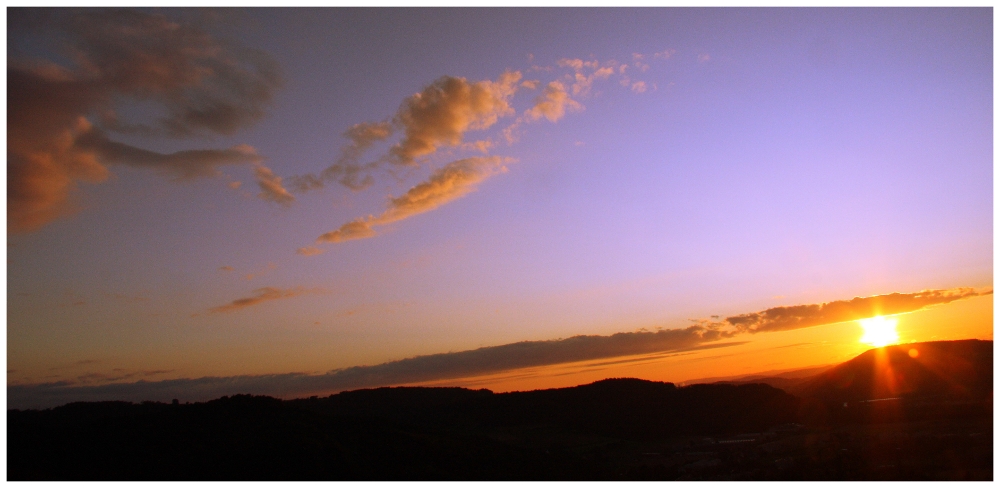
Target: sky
(204, 202)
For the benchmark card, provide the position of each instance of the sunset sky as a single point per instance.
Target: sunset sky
(300, 201)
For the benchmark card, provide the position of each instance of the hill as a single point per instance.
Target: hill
(946, 369)
(939, 426)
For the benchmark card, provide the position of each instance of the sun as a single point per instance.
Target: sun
(879, 331)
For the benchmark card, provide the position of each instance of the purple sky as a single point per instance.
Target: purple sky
(642, 168)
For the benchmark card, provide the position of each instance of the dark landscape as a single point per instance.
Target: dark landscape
(888, 414)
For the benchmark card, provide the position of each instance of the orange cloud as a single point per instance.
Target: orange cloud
(531, 84)
(552, 104)
(309, 251)
(444, 185)
(355, 229)
(484, 360)
(438, 116)
(270, 186)
(347, 171)
(442, 113)
(58, 114)
(576, 64)
(262, 295)
(583, 82)
(800, 316)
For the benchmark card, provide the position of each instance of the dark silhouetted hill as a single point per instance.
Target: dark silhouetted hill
(379, 434)
(938, 415)
(953, 369)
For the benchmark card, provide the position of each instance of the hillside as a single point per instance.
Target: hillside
(939, 426)
(952, 369)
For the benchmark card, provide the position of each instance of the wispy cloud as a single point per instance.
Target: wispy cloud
(309, 251)
(261, 295)
(665, 54)
(270, 186)
(355, 229)
(58, 115)
(586, 72)
(440, 116)
(444, 185)
(552, 103)
(347, 170)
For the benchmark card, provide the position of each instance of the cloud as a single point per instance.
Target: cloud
(309, 251)
(446, 109)
(666, 54)
(355, 229)
(480, 361)
(448, 183)
(262, 295)
(583, 82)
(576, 64)
(365, 134)
(485, 360)
(270, 186)
(800, 316)
(181, 165)
(552, 103)
(58, 114)
(444, 185)
(225, 268)
(438, 116)
(347, 171)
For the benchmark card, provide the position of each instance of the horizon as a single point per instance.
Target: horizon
(297, 202)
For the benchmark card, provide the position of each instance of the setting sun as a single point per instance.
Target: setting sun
(879, 331)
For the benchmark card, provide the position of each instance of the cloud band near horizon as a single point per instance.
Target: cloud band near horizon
(485, 360)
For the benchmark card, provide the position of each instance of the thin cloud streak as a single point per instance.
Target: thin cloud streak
(262, 295)
(448, 183)
(309, 251)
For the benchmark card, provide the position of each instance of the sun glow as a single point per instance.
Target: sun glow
(879, 331)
